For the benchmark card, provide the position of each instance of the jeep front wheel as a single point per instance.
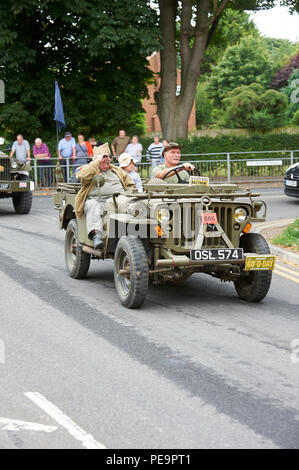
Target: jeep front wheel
(77, 262)
(22, 202)
(131, 272)
(253, 286)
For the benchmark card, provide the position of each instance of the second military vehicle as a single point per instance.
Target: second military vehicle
(15, 182)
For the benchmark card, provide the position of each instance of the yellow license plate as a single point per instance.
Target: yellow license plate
(260, 262)
(202, 180)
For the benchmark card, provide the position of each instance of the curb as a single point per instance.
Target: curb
(285, 255)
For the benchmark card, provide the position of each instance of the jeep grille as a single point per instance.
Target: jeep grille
(224, 216)
(5, 174)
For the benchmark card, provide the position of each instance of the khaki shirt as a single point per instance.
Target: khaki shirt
(184, 175)
(87, 173)
(120, 144)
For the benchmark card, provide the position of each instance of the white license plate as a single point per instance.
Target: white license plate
(221, 254)
(5, 186)
(291, 183)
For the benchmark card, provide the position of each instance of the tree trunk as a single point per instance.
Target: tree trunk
(174, 111)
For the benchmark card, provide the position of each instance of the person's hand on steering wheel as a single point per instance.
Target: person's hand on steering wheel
(187, 166)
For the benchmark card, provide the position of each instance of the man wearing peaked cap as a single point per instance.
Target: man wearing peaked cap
(172, 155)
(88, 199)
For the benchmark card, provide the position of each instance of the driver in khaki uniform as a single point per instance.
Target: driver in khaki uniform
(172, 155)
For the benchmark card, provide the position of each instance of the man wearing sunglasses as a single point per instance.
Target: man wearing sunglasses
(93, 204)
(172, 155)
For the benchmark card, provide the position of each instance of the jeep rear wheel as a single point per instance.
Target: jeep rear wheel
(77, 262)
(131, 271)
(253, 286)
(22, 202)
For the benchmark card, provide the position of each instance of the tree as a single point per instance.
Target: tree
(198, 21)
(95, 49)
(242, 64)
(252, 107)
(281, 78)
(232, 27)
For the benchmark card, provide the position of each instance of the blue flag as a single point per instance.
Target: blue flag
(58, 113)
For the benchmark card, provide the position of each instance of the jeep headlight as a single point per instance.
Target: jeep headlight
(240, 214)
(163, 216)
(14, 165)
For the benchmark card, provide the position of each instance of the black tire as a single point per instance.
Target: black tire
(22, 202)
(253, 286)
(77, 262)
(131, 290)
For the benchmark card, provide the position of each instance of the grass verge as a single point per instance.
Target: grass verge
(289, 238)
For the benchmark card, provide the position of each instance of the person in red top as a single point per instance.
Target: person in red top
(84, 152)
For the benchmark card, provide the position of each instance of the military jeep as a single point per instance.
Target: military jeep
(15, 182)
(169, 232)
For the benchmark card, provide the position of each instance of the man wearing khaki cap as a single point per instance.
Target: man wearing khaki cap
(93, 203)
(127, 163)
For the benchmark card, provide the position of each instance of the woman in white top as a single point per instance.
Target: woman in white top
(134, 149)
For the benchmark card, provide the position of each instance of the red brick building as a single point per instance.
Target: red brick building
(152, 121)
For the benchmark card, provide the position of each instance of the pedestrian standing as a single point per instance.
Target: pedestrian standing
(21, 148)
(84, 152)
(135, 149)
(42, 154)
(153, 153)
(119, 144)
(66, 152)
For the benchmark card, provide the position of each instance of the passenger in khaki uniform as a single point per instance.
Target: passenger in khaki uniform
(172, 155)
(88, 200)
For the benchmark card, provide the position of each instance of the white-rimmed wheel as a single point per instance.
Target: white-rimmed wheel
(131, 271)
(77, 262)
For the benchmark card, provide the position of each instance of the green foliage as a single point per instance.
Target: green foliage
(280, 51)
(233, 25)
(296, 118)
(289, 237)
(250, 107)
(242, 64)
(204, 106)
(95, 49)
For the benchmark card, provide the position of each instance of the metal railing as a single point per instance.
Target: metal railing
(230, 167)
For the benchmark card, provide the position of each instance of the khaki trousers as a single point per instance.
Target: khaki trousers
(95, 211)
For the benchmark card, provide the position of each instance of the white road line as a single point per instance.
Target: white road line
(74, 430)
(7, 424)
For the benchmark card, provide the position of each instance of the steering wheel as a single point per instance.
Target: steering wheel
(176, 172)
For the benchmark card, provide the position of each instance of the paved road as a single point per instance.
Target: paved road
(195, 367)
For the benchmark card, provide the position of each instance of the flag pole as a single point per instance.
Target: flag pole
(57, 139)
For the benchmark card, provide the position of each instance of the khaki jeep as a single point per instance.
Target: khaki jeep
(169, 232)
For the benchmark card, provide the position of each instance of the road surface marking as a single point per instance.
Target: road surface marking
(73, 429)
(287, 270)
(7, 424)
(280, 273)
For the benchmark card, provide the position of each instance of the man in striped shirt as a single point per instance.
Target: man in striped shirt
(153, 153)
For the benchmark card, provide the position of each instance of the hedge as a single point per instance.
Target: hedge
(220, 144)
